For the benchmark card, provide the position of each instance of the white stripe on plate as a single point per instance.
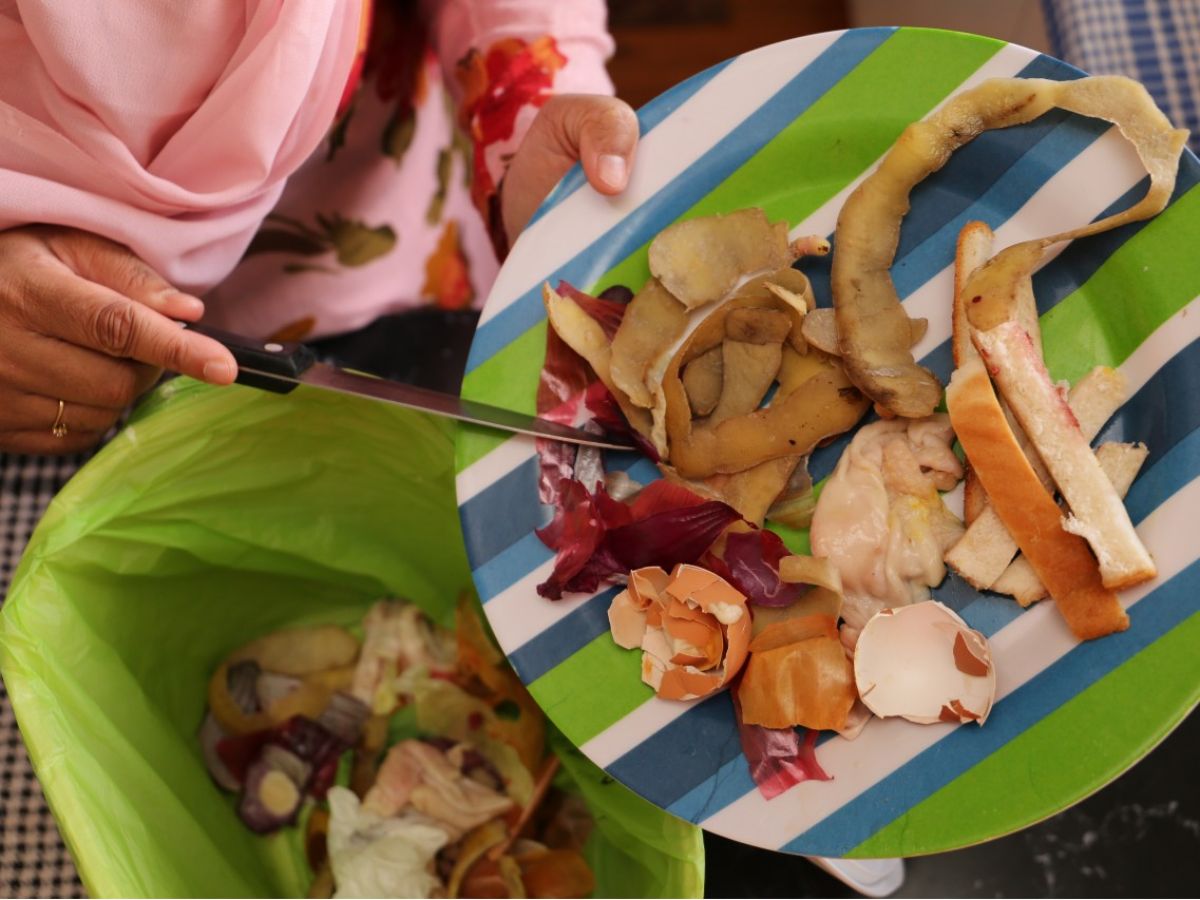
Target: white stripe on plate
(1168, 340)
(648, 719)
(1008, 61)
(494, 465)
(1028, 646)
(517, 614)
(677, 142)
(1088, 185)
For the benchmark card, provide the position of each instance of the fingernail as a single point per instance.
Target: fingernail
(220, 371)
(191, 305)
(611, 169)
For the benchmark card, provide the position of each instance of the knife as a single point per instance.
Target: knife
(280, 366)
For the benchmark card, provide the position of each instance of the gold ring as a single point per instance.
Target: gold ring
(59, 428)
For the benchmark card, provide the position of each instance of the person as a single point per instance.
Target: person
(298, 164)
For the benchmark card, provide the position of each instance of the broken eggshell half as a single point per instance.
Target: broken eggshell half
(692, 627)
(925, 664)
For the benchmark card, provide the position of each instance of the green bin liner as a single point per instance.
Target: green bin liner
(215, 516)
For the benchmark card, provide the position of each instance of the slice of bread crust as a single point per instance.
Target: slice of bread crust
(1061, 560)
(1097, 513)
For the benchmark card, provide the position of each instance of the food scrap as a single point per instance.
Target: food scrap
(692, 627)
(729, 375)
(881, 520)
(461, 804)
(923, 663)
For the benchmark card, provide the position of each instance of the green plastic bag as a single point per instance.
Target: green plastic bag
(216, 516)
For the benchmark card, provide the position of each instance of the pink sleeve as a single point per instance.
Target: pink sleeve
(503, 59)
(169, 127)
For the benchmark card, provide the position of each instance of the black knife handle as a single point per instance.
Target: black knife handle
(268, 365)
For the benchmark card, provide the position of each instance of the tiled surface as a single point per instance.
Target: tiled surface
(33, 860)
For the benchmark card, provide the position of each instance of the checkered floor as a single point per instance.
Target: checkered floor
(34, 862)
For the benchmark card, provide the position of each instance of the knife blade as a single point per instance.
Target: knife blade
(281, 366)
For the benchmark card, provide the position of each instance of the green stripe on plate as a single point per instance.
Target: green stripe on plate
(1016, 779)
(822, 161)
(610, 677)
(509, 379)
(1094, 326)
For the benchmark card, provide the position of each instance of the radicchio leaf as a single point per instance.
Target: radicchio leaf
(669, 538)
(574, 534)
(777, 757)
(598, 538)
(753, 562)
(569, 393)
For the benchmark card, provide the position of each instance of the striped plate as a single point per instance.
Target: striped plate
(793, 128)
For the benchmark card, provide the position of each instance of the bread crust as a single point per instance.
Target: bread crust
(1062, 560)
(1097, 513)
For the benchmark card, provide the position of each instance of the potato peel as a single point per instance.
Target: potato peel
(873, 329)
(653, 321)
(700, 260)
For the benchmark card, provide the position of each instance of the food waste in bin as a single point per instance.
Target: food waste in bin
(414, 760)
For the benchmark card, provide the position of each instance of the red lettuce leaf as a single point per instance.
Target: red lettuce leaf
(574, 534)
(670, 537)
(777, 757)
(753, 559)
(569, 393)
(662, 495)
(598, 538)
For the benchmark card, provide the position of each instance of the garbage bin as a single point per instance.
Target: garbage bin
(215, 516)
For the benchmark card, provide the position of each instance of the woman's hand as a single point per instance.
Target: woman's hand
(601, 132)
(86, 322)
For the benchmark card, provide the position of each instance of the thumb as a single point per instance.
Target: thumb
(602, 133)
(599, 132)
(119, 269)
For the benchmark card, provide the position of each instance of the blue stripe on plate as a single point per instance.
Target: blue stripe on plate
(1175, 387)
(510, 565)
(682, 192)
(563, 639)
(649, 117)
(998, 203)
(1176, 468)
(515, 493)
(1082, 258)
(682, 752)
(963, 748)
(987, 613)
(947, 194)
(732, 780)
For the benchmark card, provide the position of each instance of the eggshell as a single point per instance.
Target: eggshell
(925, 664)
(626, 621)
(647, 584)
(697, 631)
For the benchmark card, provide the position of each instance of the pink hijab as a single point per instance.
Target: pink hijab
(182, 160)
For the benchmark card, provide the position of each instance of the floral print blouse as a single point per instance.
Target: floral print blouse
(397, 208)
